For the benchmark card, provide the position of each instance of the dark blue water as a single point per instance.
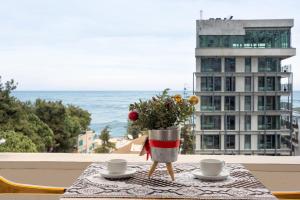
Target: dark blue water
(107, 107)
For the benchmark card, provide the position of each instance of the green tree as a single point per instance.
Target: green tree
(65, 127)
(187, 144)
(18, 117)
(106, 146)
(16, 142)
(82, 116)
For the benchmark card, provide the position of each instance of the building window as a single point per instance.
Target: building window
(248, 64)
(268, 103)
(268, 64)
(210, 83)
(247, 103)
(210, 103)
(230, 141)
(210, 64)
(268, 83)
(255, 38)
(247, 144)
(211, 122)
(211, 142)
(229, 64)
(229, 103)
(248, 84)
(80, 142)
(230, 122)
(247, 122)
(268, 141)
(268, 122)
(230, 84)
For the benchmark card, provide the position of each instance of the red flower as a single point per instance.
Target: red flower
(133, 115)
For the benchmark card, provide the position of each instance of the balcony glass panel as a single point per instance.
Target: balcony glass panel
(269, 64)
(210, 64)
(230, 84)
(268, 141)
(211, 142)
(211, 122)
(247, 103)
(230, 141)
(229, 64)
(247, 144)
(248, 64)
(211, 83)
(247, 122)
(268, 122)
(268, 103)
(230, 122)
(229, 103)
(210, 103)
(269, 83)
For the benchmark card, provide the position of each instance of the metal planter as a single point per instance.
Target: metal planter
(164, 155)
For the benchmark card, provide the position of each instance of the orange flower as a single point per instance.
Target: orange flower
(193, 100)
(178, 98)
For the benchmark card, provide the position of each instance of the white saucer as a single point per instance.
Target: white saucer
(127, 174)
(222, 176)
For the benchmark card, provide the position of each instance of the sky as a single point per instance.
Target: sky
(117, 44)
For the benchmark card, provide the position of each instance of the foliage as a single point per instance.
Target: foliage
(106, 146)
(16, 142)
(162, 111)
(51, 126)
(133, 130)
(187, 143)
(66, 122)
(18, 117)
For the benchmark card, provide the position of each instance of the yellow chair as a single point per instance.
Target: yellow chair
(286, 195)
(7, 186)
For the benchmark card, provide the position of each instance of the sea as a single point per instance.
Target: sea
(107, 108)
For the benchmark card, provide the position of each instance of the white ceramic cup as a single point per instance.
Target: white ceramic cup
(211, 167)
(116, 166)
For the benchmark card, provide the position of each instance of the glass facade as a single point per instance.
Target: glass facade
(248, 64)
(211, 122)
(211, 142)
(210, 64)
(269, 83)
(229, 64)
(230, 141)
(254, 38)
(248, 84)
(230, 84)
(229, 103)
(268, 64)
(247, 144)
(247, 122)
(210, 83)
(268, 103)
(210, 103)
(230, 122)
(268, 122)
(247, 102)
(268, 141)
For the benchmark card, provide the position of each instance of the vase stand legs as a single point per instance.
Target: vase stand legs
(169, 169)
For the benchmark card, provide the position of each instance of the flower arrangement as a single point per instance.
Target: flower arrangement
(162, 111)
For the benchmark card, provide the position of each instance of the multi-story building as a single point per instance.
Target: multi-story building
(245, 90)
(87, 142)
